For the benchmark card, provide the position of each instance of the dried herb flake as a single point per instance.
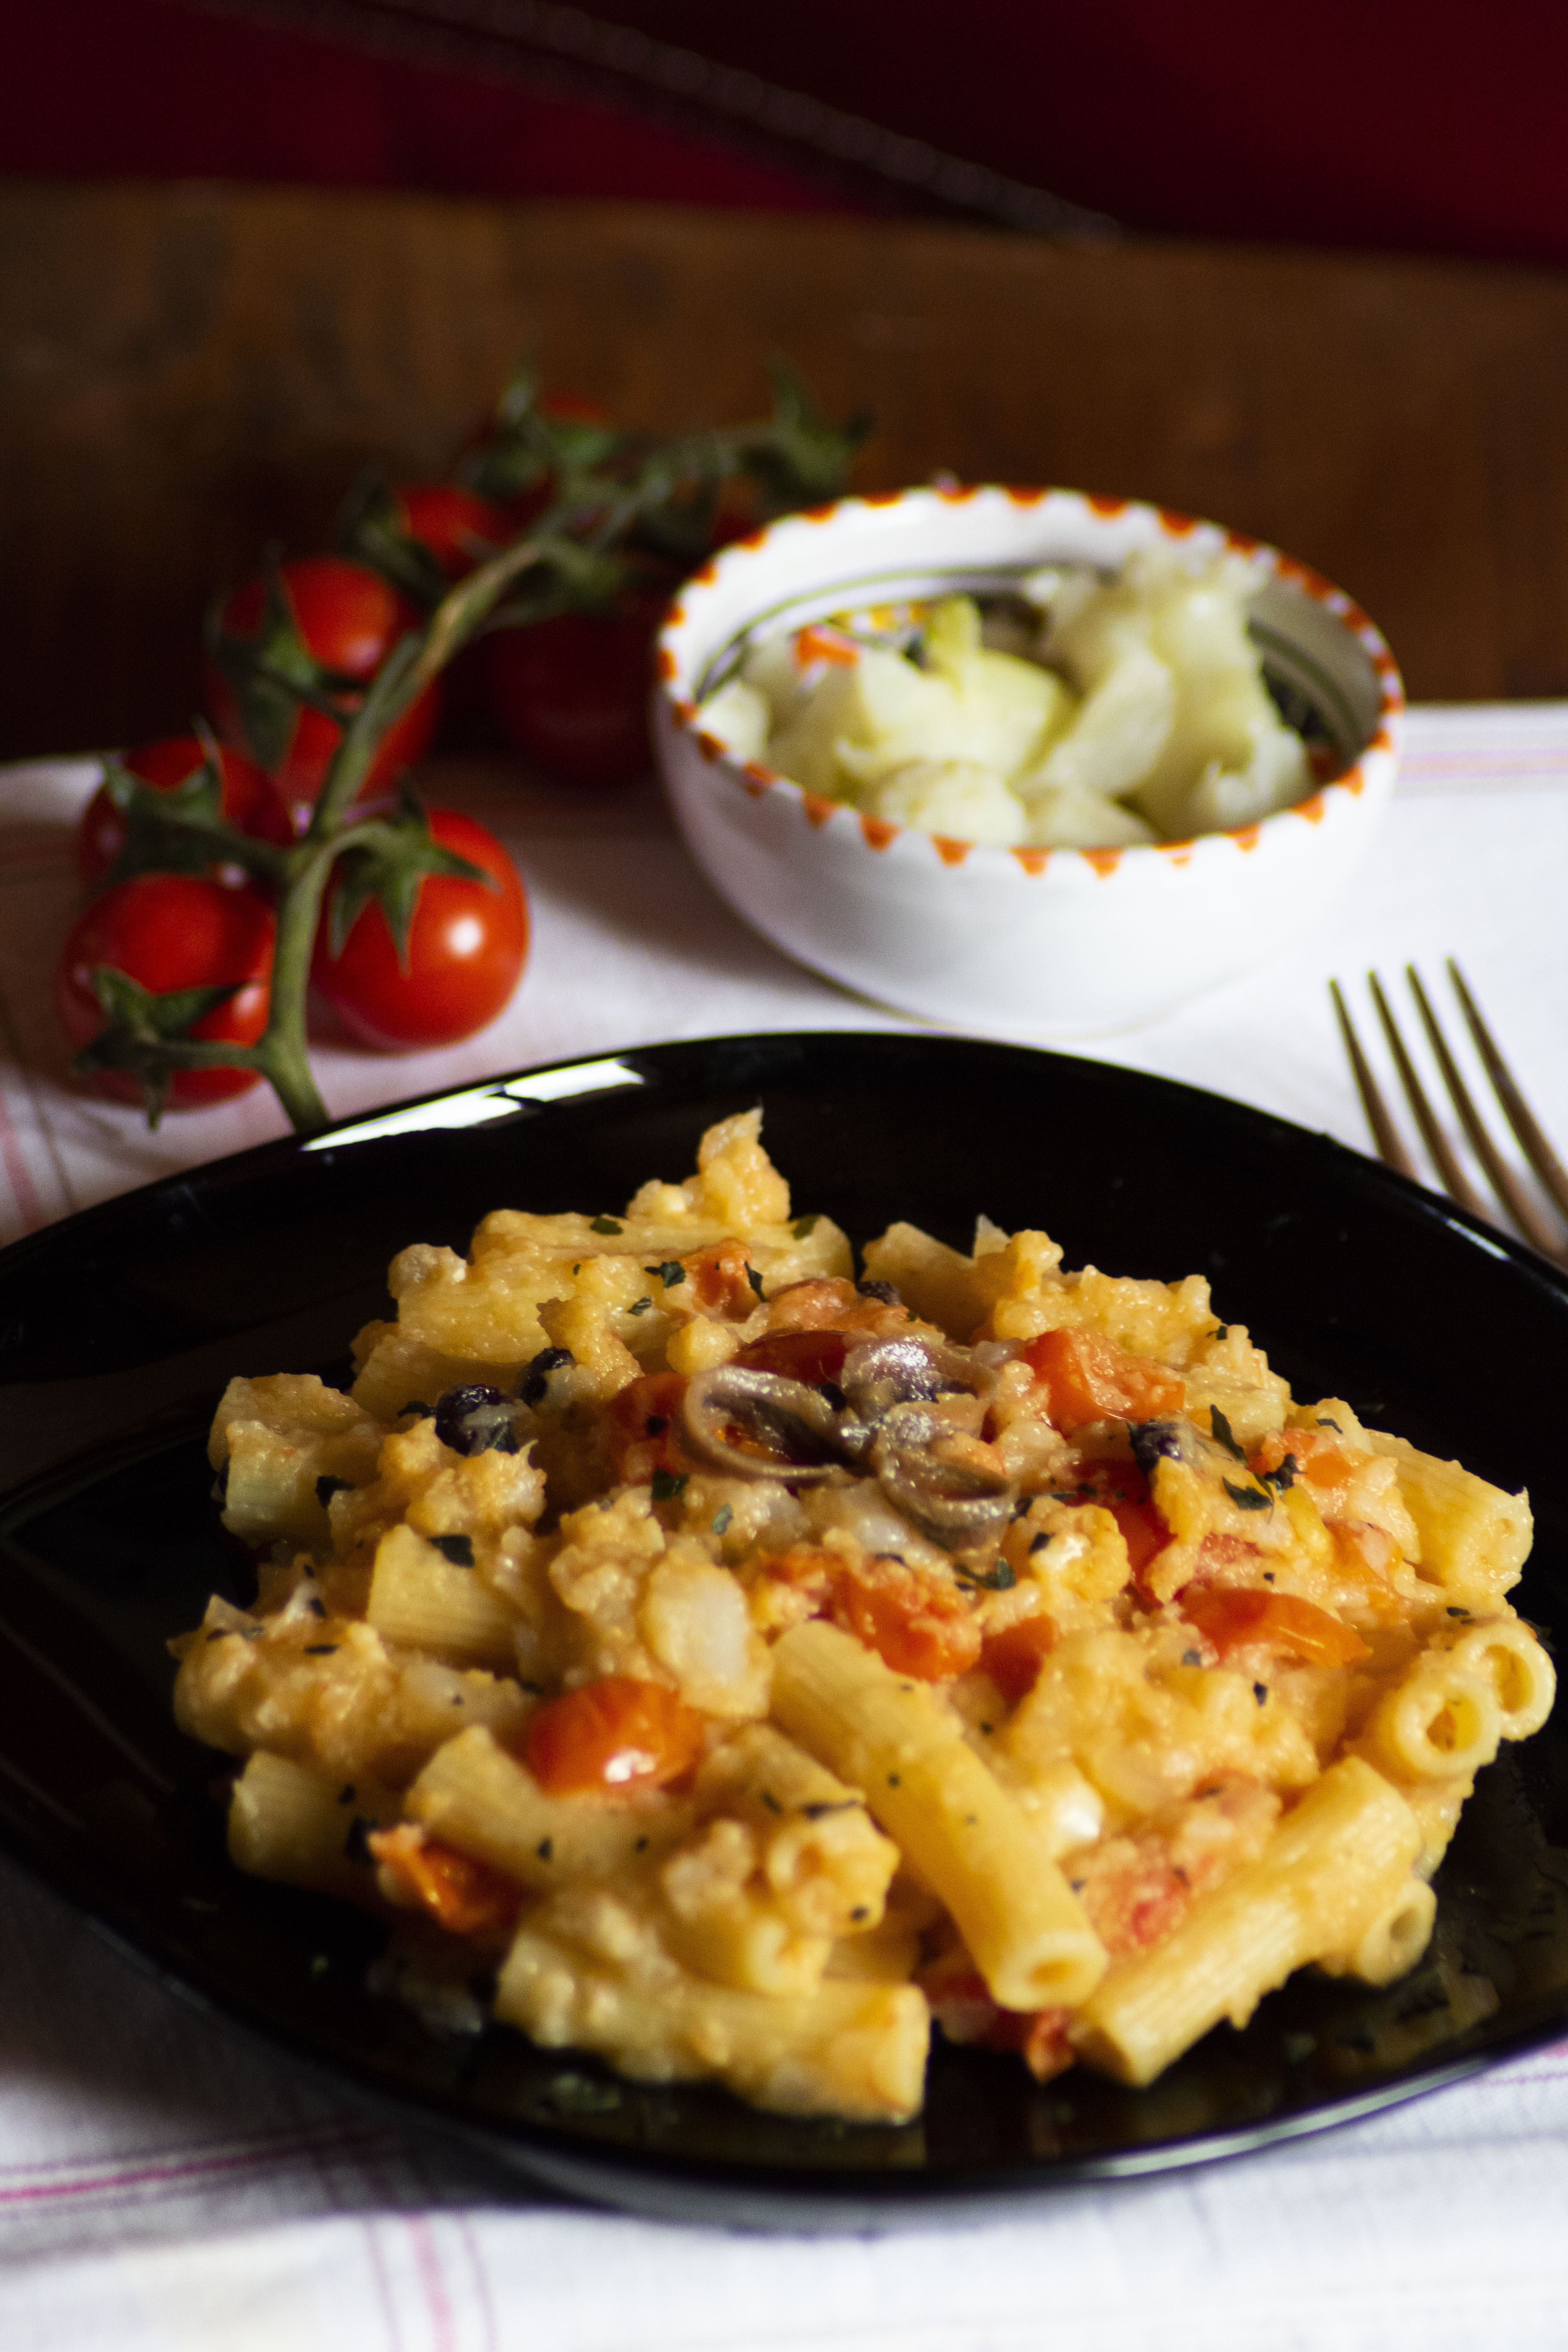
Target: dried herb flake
(1248, 1498)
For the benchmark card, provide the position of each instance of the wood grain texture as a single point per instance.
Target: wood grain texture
(188, 372)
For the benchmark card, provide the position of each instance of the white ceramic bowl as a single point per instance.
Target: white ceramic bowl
(1028, 941)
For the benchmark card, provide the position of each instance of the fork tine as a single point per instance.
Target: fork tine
(1455, 1183)
(1517, 1111)
(1386, 1135)
(1504, 1183)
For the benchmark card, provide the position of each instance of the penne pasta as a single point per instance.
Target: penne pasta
(1329, 1872)
(971, 1844)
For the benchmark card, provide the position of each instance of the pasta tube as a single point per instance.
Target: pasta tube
(474, 1796)
(1439, 1724)
(854, 2050)
(1029, 1933)
(1334, 1864)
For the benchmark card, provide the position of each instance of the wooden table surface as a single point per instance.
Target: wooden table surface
(188, 372)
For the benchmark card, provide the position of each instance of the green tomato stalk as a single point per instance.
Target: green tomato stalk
(612, 496)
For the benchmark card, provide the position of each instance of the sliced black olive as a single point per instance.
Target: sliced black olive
(536, 1376)
(476, 1419)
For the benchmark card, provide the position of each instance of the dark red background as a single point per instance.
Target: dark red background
(1423, 125)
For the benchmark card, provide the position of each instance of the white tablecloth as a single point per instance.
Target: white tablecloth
(165, 2186)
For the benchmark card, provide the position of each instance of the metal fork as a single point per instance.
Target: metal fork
(1522, 1212)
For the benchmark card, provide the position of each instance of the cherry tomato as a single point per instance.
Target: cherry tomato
(464, 1896)
(1089, 1378)
(616, 1733)
(1013, 1658)
(347, 620)
(466, 948)
(249, 799)
(168, 931)
(461, 529)
(1121, 1489)
(918, 1622)
(1231, 1616)
(573, 692)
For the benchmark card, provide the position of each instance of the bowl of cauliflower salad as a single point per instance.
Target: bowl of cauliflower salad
(1024, 759)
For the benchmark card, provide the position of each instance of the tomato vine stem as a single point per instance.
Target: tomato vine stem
(604, 490)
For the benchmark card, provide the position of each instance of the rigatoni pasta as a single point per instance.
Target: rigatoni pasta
(742, 1666)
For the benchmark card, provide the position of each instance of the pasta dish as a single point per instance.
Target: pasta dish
(715, 1661)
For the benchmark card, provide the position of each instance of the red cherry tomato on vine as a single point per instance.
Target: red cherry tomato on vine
(466, 949)
(461, 529)
(347, 619)
(573, 692)
(249, 799)
(169, 931)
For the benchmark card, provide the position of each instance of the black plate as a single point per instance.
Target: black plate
(119, 1328)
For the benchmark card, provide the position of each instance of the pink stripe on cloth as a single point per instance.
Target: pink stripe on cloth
(481, 2279)
(383, 2294)
(438, 2301)
(115, 2179)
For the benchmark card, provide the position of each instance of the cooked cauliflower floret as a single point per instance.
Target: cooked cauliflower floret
(1145, 716)
(957, 798)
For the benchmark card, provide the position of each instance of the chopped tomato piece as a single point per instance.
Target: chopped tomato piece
(1013, 1658)
(640, 1425)
(963, 2008)
(1231, 1616)
(805, 1564)
(1045, 2048)
(1139, 1904)
(813, 1356)
(1121, 1489)
(919, 1623)
(616, 1733)
(1134, 1903)
(1145, 1533)
(1315, 1452)
(811, 1305)
(723, 1280)
(464, 1895)
(1088, 1378)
